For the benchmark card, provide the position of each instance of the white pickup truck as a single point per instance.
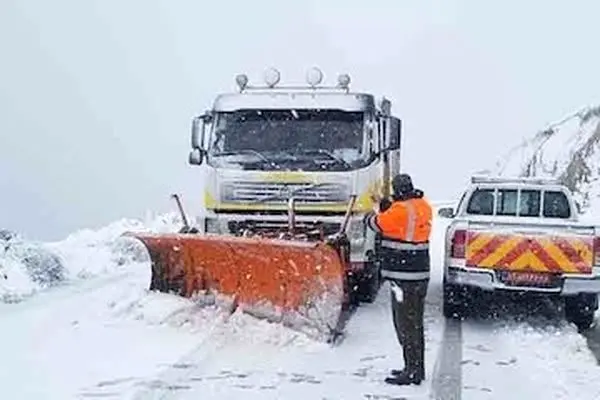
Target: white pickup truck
(520, 234)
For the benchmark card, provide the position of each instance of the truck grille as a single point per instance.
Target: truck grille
(279, 193)
(301, 227)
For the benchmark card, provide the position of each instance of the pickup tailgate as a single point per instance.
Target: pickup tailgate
(541, 249)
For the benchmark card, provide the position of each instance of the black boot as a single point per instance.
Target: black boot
(404, 378)
(396, 372)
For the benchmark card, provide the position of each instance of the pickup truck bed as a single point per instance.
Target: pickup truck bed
(494, 252)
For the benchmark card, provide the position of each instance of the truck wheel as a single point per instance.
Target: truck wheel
(369, 282)
(580, 310)
(454, 301)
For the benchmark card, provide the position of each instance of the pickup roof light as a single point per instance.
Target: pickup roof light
(458, 243)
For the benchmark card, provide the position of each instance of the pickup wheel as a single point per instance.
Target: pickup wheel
(580, 310)
(454, 301)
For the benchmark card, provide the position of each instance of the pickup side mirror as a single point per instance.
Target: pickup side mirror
(197, 156)
(578, 207)
(446, 212)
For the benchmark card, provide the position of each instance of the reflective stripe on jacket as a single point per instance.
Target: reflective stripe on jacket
(404, 228)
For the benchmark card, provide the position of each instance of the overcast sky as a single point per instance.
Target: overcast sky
(96, 96)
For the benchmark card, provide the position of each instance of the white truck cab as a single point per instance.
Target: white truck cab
(263, 145)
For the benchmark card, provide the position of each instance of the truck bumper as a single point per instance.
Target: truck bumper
(487, 280)
(362, 240)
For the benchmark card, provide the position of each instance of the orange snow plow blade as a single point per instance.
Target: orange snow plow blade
(301, 284)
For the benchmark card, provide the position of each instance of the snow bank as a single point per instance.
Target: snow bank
(568, 150)
(27, 267)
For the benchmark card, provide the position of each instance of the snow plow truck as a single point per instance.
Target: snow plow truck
(287, 175)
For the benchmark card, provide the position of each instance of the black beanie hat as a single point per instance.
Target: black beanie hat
(402, 184)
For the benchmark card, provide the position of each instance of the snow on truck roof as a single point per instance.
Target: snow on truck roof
(309, 96)
(296, 99)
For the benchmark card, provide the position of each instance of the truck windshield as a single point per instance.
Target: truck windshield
(506, 202)
(288, 139)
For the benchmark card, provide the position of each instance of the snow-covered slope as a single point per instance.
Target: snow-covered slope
(27, 268)
(568, 150)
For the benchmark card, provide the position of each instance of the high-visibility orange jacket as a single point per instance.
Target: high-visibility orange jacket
(405, 229)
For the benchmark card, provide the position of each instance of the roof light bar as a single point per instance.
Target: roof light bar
(517, 179)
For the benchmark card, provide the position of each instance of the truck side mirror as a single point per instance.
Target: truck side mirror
(196, 156)
(446, 212)
(197, 128)
(198, 125)
(395, 132)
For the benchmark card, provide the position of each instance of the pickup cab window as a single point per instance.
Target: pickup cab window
(481, 202)
(506, 203)
(527, 203)
(556, 205)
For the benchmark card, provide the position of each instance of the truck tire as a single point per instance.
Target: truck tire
(580, 310)
(369, 282)
(454, 301)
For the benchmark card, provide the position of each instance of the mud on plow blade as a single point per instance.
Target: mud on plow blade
(297, 279)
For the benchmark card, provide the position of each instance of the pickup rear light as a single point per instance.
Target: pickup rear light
(458, 243)
(597, 251)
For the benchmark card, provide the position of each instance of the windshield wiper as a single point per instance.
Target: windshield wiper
(328, 154)
(255, 153)
(244, 151)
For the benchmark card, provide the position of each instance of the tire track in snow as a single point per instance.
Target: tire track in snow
(247, 358)
(447, 379)
(592, 337)
(65, 291)
(526, 350)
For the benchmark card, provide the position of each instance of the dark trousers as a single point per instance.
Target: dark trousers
(408, 323)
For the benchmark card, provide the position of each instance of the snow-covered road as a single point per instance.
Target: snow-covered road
(106, 336)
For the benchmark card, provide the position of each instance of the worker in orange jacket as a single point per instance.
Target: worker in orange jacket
(404, 228)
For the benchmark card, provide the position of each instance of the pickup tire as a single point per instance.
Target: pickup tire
(580, 310)
(454, 300)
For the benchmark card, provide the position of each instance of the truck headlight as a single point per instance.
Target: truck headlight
(215, 225)
(227, 192)
(356, 230)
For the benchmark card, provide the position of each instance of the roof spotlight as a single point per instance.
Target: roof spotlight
(344, 81)
(314, 76)
(272, 77)
(242, 81)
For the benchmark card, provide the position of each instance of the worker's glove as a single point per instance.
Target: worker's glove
(397, 291)
(384, 204)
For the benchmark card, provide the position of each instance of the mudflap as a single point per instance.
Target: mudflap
(300, 284)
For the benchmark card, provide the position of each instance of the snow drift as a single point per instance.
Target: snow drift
(568, 150)
(28, 267)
